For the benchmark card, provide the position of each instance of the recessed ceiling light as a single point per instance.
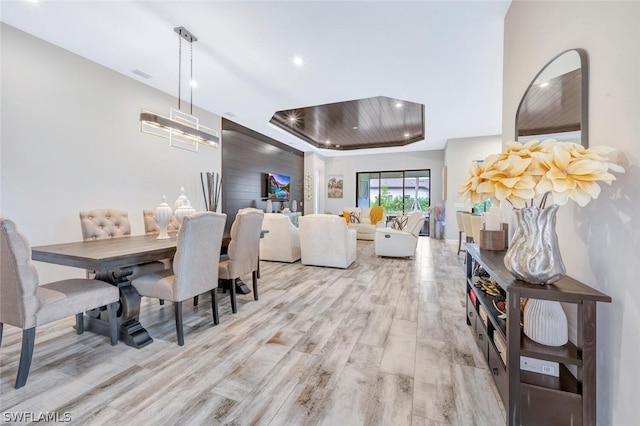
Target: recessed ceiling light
(398, 104)
(355, 127)
(194, 83)
(337, 146)
(292, 118)
(328, 142)
(545, 84)
(298, 61)
(406, 135)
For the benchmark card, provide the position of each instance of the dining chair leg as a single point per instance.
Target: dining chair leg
(28, 339)
(195, 300)
(459, 241)
(112, 311)
(255, 285)
(80, 323)
(179, 330)
(232, 286)
(214, 306)
(1, 326)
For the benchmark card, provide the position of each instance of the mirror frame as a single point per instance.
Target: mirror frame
(584, 87)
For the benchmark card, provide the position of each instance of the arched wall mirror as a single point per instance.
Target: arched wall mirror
(555, 105)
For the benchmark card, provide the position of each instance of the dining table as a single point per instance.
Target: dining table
(112, 260)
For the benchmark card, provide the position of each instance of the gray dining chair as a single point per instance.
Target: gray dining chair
(194, 270)
(26, 304)
(151, 226)
(243, 251)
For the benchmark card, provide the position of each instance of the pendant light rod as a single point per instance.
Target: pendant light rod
(190, 38)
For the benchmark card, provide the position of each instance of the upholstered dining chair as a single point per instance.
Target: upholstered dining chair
(460, 222)
(151, 226)
(26, 304)
(100, 224)
(468, 230)
(242, 253)
(195, 266)
(476, 226)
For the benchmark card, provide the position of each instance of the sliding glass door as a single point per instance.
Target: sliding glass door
(399, 192)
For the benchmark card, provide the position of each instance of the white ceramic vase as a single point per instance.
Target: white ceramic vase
(183, 211)
(163, 216)
(269, 207)
(181, 200)
(294, 206)
(545, 322)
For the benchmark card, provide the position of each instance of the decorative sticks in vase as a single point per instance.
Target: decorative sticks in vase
(211, 189)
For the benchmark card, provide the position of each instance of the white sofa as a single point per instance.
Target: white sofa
(325, 240)
(365, 229)
(282, 242)
(399, 243)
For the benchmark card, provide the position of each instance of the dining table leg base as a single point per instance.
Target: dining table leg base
(133, 334)
(241, 287)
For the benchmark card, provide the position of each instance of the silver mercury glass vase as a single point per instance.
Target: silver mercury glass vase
(533, 255)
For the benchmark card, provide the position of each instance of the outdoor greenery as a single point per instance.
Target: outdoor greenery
(393, 204)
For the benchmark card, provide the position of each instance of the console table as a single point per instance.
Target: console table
(535, 398)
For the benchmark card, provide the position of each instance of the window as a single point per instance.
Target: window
(399, 192)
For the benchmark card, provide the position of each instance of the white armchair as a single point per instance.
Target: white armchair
(282, 242)
(325, 240)
(399, 243)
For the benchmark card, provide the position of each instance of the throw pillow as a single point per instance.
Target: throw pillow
(354, 217)
(347, 216)
(399, 222)
(376, 214)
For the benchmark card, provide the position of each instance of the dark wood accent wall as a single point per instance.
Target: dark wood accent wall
(246, 156)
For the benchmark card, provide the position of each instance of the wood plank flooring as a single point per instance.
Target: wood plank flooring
(384, 342)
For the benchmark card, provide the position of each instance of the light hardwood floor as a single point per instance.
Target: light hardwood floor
(384, 342)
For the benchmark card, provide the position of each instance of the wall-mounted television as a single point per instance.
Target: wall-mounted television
(278, 187)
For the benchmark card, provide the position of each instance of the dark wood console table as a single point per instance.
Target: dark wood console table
(534, 398)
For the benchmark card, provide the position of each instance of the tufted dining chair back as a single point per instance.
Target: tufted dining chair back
(104, 223)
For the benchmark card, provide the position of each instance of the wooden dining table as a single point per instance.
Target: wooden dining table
(110, 259)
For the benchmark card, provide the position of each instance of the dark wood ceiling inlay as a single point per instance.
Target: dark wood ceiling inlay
(362, 123)
(552, 108)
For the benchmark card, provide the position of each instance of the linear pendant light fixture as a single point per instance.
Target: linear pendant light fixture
(183, 130)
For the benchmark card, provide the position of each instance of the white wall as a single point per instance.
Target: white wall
(458, 155)
(600, 243)
(349, 165)
(71, 141)
(315, 164)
